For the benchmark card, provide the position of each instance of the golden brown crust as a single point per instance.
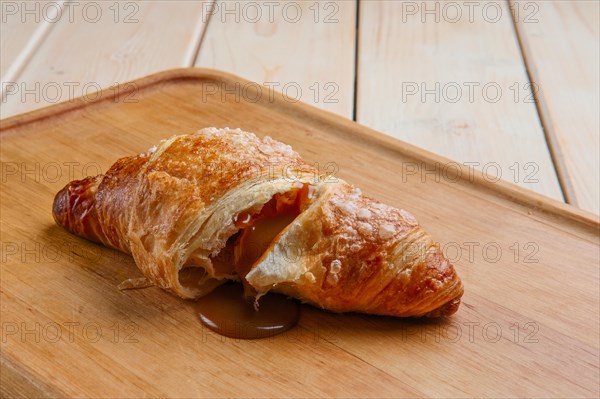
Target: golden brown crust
(177, 202)
(353, 253)
(99, 208)
(74, 208)
(173, 208)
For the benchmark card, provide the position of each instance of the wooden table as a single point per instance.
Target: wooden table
(511, 87)
(527, 326)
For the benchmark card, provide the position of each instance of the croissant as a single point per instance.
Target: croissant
(221, 204)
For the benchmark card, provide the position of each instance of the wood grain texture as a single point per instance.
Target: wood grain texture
(20, 36)
(104, 43)
(560, 41)
(452, 80)
(521, 331)
(23, 30)
(305, 49)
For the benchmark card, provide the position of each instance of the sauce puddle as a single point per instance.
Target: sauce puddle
(226, 311)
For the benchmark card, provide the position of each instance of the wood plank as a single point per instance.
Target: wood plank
(20, 35)
(305, 49)
(560, 41)
(447, 81)
(104, 43)
(51, 277)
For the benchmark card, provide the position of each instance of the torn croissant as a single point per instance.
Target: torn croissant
(222, 204)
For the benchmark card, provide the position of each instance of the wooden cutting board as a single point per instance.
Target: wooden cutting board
(528, 325)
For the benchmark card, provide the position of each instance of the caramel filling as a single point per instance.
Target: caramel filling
(226, 312)
(259, 230)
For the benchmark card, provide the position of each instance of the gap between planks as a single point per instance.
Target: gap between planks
(40, 33)
(356, 58)
(542, 111)
(314, 55)
(474, 131)
(202, 28)
(29, 64)
(196, 55)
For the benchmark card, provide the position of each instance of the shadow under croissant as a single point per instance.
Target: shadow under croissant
(60, 247)
(334, 327)
(103, 269)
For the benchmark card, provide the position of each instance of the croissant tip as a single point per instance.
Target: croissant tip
(60, 206)
(447, 309)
